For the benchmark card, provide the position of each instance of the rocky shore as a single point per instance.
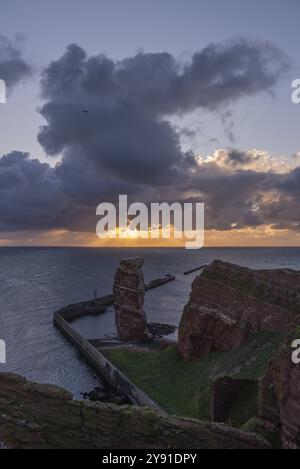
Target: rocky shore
(98, 394)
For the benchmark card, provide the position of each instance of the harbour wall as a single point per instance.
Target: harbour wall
(100, 362)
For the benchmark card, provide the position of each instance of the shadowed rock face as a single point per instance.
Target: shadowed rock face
(44, 416)
(224, 393)
(279, 407)
(129, 292)
(228, 303)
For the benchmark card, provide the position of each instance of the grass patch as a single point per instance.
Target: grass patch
(183, 388)
(246, 406)
(253, 425)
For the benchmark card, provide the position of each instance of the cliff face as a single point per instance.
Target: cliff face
(280, 396)
(44, 416)
(228, 303)
(129, 292)
(280, 287)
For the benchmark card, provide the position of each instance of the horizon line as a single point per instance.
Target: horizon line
(145, 247)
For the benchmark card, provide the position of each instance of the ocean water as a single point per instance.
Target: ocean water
(34, 282)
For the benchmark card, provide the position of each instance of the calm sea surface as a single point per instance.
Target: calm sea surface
(34, 282)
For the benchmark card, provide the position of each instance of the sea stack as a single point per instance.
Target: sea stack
(129, 293)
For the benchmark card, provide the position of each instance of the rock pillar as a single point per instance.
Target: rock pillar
(129, 292)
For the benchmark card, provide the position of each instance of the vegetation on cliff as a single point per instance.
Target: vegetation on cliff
(183, 388)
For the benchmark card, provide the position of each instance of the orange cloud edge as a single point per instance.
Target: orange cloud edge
(264, 236)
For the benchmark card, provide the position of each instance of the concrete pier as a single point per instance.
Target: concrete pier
(94, 350)
(102, 365)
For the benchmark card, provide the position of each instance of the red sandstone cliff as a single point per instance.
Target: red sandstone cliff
(129, 292)
(228, 303)
(280, 395)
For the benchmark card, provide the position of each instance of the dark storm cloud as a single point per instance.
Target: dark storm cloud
(109, 122)
(229, 196)
(125, 130)
(13, 67)
(30, 193)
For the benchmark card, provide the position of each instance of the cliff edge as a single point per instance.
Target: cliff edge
(44, 416)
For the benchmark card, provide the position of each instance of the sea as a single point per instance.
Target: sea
(36, 281)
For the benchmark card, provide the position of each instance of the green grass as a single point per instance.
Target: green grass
(183, 388)
(246, 405)
(253, 425)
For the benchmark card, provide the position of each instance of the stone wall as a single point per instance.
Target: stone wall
(44, 416)
(102, 364)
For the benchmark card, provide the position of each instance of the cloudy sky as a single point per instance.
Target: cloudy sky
(186, 101)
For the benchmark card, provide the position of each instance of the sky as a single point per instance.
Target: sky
(186, 101)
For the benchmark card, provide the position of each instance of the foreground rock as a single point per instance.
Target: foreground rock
(129, 292)
(44, 416)
(280, 395)
(228, 303)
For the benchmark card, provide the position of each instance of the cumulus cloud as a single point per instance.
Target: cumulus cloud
(13, 67)
(248, 189)
(257, 160)
(30, 193)
(109, 122)
(125, 129)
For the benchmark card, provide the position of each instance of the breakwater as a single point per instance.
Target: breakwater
(191, 271)
(102, 365)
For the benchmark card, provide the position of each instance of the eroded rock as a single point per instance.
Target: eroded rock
(129, 292)
(228, 303)
(279, 407)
